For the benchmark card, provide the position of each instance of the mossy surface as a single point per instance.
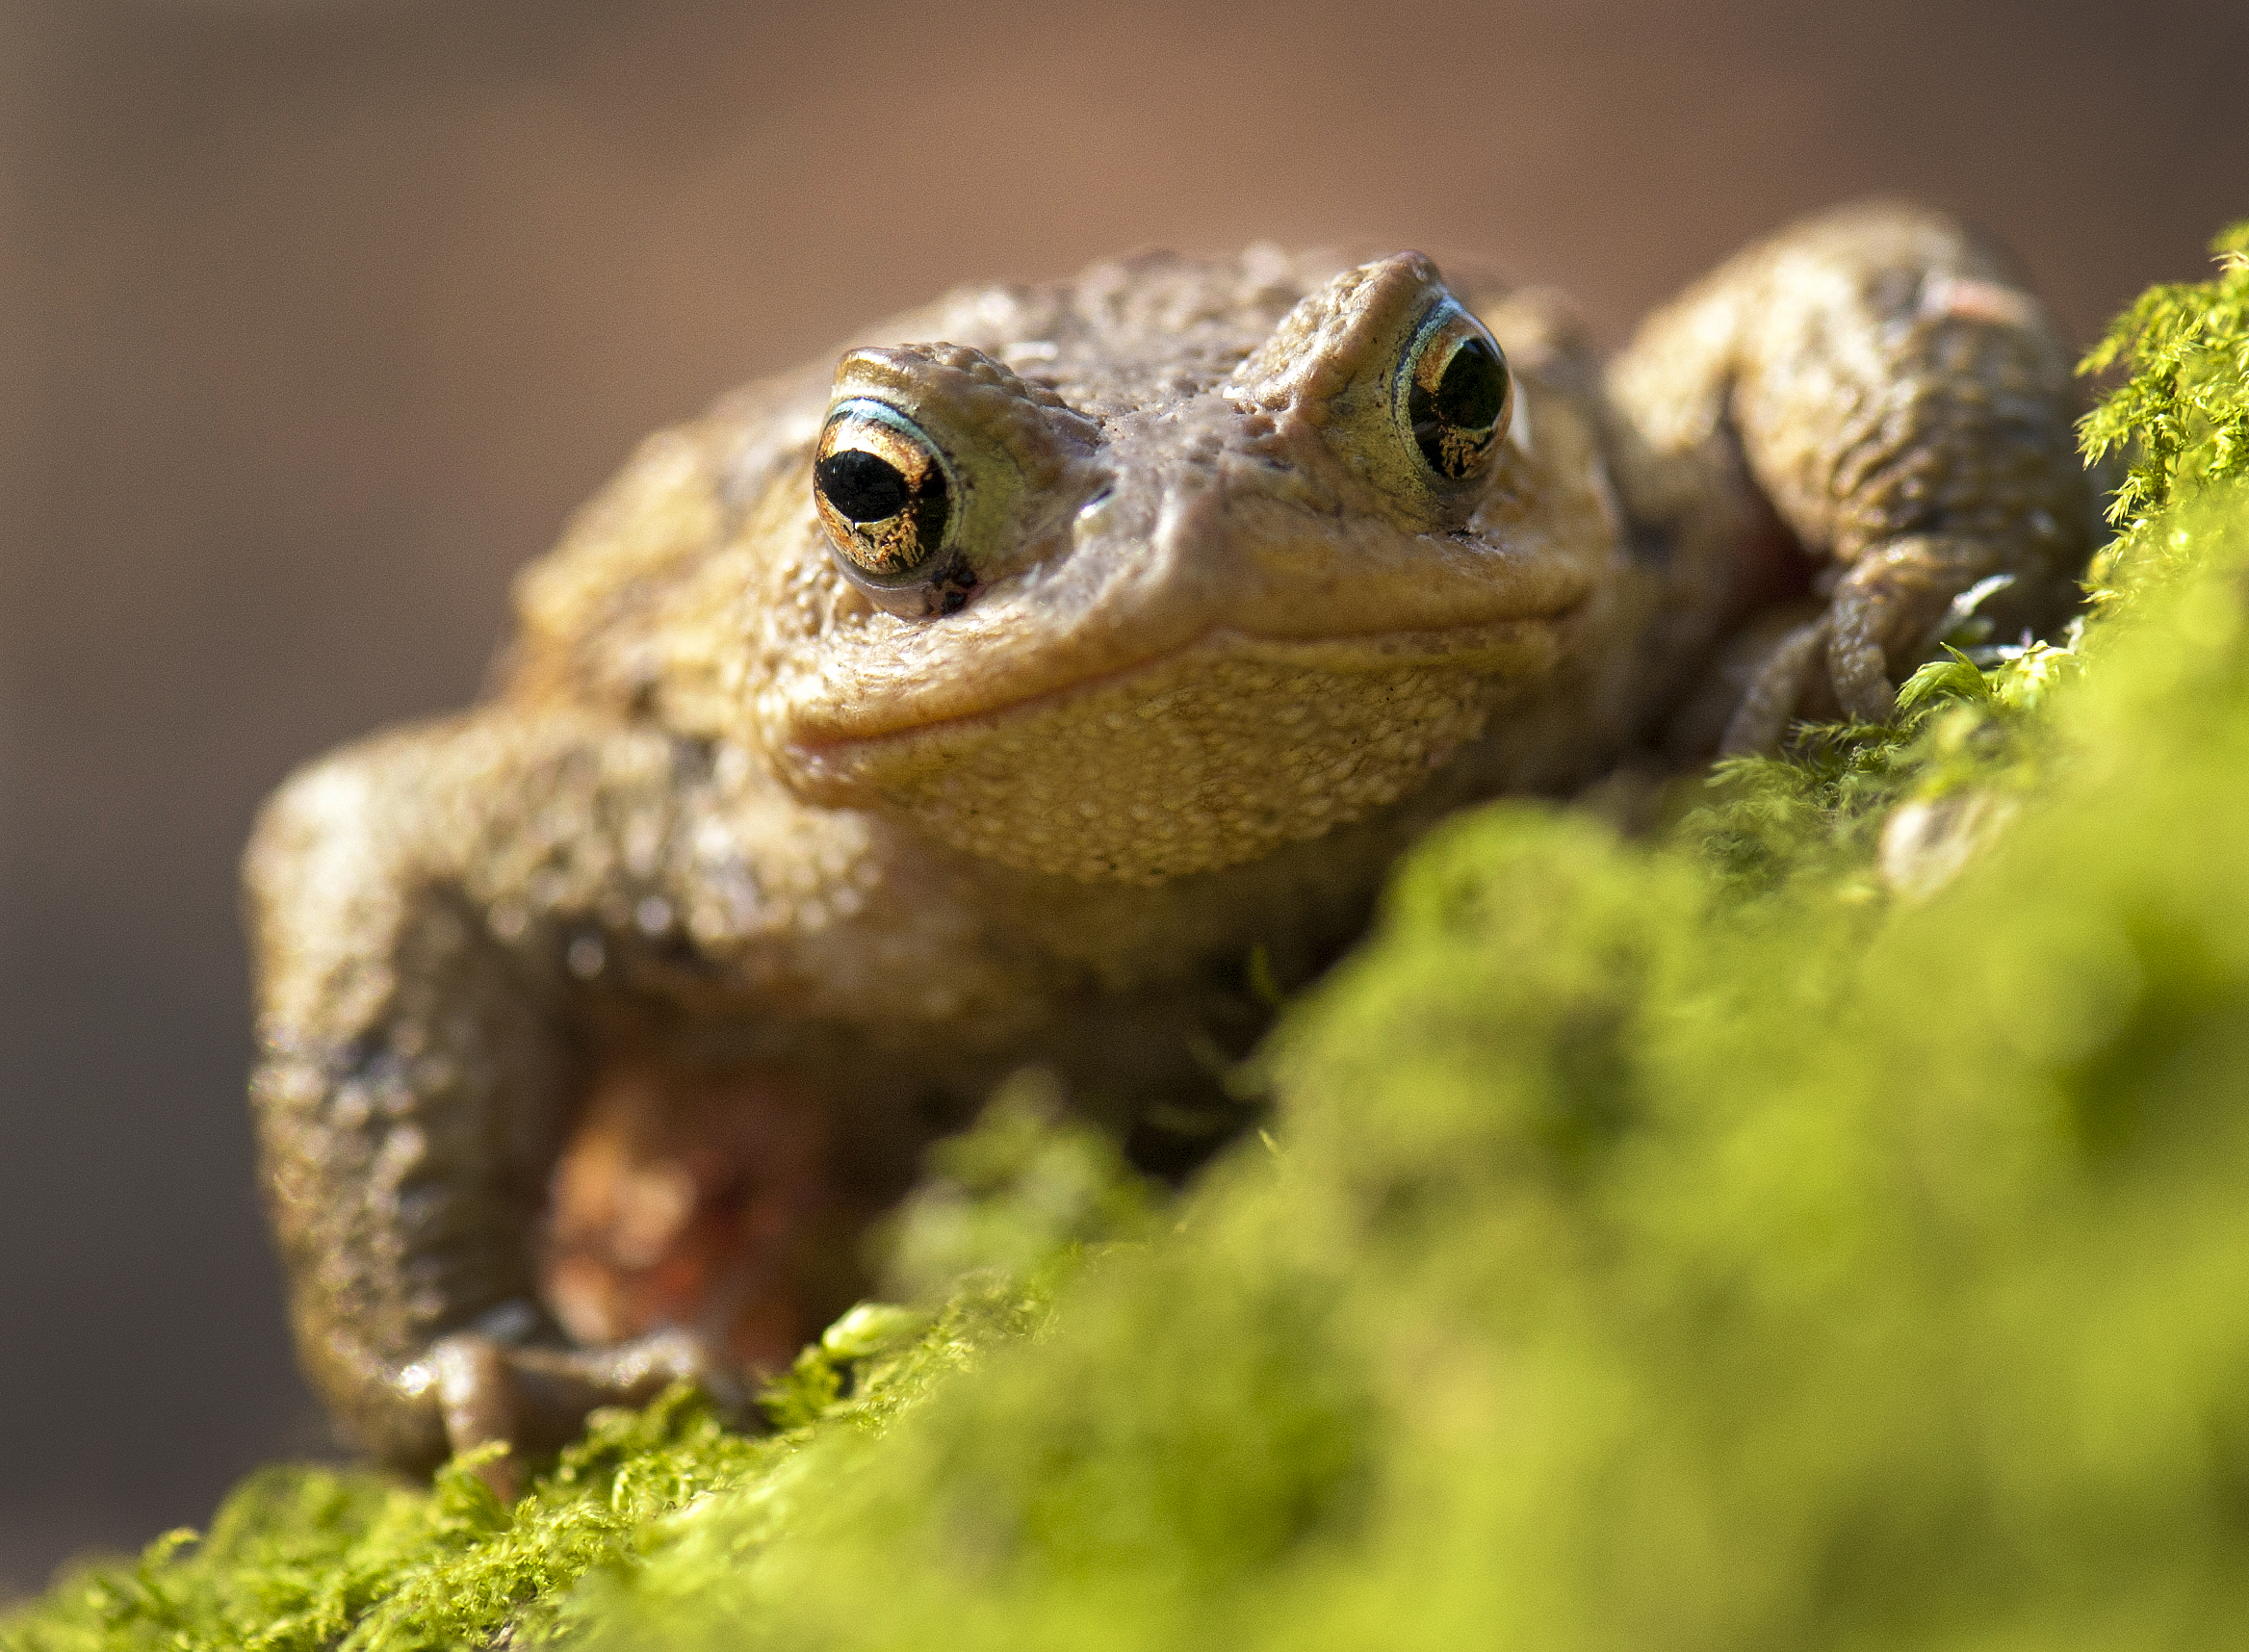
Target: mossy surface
(1823, 1226)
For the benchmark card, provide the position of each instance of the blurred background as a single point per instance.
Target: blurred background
(318, 317)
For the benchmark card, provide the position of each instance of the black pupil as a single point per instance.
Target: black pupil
(1473, 388)
(1453, 424)
(863, 487)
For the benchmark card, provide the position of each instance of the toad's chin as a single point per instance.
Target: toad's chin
(1210, 756)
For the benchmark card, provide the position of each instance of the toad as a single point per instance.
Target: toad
(997, 693)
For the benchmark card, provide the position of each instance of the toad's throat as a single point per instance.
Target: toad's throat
(1203, 758)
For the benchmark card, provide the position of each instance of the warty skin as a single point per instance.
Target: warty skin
(597, 1021)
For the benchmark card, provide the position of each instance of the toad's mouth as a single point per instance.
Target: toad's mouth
(1201, 758)
(1173, 725)
(1519, 650)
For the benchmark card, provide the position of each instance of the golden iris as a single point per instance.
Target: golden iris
(1457, 392)
(883, 491)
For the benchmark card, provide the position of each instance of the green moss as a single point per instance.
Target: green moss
(304, 1557)
(1803, 1230)
(2182, 414)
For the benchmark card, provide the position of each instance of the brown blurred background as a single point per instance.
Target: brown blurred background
(317, 318)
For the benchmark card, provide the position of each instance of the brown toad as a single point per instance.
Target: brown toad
(971, 704)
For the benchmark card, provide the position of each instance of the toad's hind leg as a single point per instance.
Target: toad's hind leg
(1880, 381)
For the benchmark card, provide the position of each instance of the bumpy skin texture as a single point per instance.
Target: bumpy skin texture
(597, 1021)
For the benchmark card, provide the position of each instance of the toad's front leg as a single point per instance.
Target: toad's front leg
(1879, 383)
(416, 1062)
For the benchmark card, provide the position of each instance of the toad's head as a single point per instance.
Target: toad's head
(1162, 569)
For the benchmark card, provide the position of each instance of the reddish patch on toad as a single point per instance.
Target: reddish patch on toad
(701, 1201)
(1965, 299)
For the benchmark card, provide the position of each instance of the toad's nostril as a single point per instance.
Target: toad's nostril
(1097, 515)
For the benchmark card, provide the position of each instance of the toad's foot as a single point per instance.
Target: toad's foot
(1887, 614)
(536, 1399)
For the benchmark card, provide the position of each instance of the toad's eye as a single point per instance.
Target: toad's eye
(885, 495)
(1455, 393)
